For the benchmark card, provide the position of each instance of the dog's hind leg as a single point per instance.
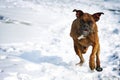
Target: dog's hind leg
(78, 52)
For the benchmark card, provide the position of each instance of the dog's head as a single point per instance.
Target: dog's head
(87, 21)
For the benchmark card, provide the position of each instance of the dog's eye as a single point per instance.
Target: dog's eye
(90, 22)
(81, 21)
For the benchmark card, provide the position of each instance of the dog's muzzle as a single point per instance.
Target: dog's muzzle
(84, 30)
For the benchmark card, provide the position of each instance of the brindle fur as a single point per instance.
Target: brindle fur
(91, 39)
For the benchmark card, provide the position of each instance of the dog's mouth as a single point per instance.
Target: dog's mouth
(85, 30)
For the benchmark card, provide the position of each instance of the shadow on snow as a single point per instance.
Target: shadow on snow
(36, 57)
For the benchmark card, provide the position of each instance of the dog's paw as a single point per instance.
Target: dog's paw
(92, 65)
(80, 63)
(99, 69)
(81, 37)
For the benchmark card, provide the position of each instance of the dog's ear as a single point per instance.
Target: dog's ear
(78, 11)
(96, 16)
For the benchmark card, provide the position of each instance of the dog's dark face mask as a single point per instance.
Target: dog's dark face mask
(85, 27)
(86, 21)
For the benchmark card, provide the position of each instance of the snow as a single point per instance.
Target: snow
(35, 42)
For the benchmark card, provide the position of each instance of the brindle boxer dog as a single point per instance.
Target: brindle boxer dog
(84, 32)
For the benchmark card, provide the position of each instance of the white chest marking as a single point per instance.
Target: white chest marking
(81, 37)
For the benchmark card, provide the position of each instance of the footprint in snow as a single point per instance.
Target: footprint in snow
(23, 76)
(7, 20)
(3, 57)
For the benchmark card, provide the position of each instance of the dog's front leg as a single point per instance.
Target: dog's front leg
(92, 57)
(78, 52)
(81, 58)
(98, 68)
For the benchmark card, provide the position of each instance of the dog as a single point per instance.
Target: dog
(84, 33)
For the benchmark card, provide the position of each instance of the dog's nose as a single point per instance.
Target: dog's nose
(85, 27)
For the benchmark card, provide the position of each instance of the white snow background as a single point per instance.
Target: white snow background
(35, 42)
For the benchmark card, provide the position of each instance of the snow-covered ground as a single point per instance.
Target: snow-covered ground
(35, 42)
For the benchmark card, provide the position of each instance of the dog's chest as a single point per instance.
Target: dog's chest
(85, 42)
